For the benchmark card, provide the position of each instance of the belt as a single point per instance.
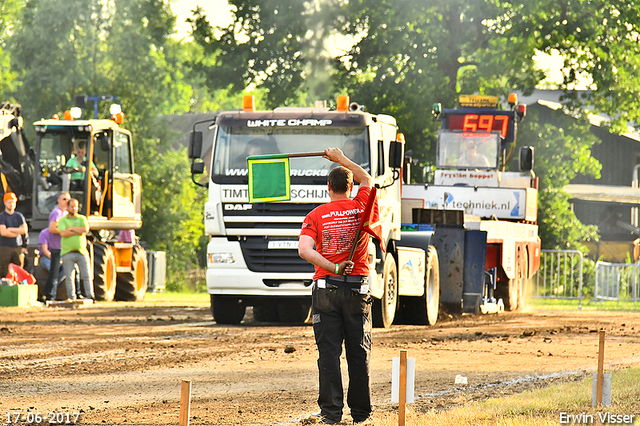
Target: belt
(346, 279)
(357, 283)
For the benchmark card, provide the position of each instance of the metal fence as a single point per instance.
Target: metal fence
(559, 276)
(617, 281)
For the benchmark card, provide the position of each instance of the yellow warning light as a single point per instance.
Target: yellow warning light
(400, 137)
(343, 104)
(513, 99)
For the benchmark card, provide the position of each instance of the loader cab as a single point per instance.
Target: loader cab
(93, 161)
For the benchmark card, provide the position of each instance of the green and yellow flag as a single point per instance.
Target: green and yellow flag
(269, 178)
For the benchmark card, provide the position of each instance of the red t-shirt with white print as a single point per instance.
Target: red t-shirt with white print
(333, 227)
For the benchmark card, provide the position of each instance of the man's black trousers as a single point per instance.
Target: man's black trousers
(342, 313)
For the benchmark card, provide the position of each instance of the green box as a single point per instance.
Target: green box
(19, 295)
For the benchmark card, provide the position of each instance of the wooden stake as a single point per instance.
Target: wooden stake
(402, 396)
(185, 402)
(600, 377)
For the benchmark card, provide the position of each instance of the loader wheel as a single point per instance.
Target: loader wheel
(132, 286)
(104, 272)
(432, 286)
(384, 310)
(227, 310)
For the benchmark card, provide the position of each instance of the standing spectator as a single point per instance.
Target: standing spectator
(341, 303)
(72, 228)
(13, 235)
(51, 286)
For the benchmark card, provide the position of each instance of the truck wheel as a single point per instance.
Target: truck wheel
(132, 286)
(293, 311)
(384, 310)
(267, 312)
(227, 309)
(104, 272)
(432, 286)
(523, 285)
(511, 295)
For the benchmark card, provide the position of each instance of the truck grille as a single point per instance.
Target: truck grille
(260, 258)
(276, 216)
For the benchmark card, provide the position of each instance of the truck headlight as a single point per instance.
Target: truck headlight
(214, 258)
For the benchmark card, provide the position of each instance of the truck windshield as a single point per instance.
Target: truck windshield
(234, 144)
(54, 151)
(468, 150)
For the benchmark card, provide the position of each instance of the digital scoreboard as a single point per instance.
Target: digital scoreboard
(481, 121)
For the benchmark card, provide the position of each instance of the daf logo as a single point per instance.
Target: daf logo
(240, 207)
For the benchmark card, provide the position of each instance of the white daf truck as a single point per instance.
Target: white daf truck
(252, 257)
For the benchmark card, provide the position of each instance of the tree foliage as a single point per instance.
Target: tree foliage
(121, 48)
(278, 45)
(9, 16)
(408, 55)
(562, 151)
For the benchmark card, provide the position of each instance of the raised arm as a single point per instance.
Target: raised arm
(360, 175)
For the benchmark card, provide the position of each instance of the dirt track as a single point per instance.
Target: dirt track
(119, 363)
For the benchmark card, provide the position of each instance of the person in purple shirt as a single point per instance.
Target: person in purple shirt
(51, 286)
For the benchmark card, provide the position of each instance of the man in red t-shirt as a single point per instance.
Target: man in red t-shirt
(341, 303)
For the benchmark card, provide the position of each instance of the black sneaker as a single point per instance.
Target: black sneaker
(323, 420)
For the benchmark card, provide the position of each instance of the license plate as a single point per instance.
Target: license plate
(293, 244)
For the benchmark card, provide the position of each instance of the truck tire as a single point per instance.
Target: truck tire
(384, 310)
(524, 284)
(294, 311)
(510, 294)
(228, 310)
(432, 286)
(104, 272)
(132, 286)
(265, 312)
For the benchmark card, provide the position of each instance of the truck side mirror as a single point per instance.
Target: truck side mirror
(195, 146)
(396, 156)
(526, 158)
(197, 168)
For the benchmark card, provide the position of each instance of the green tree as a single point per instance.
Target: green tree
(278, 45)
(122, 48)
(9, 16)
(562, 151)
(408, 55)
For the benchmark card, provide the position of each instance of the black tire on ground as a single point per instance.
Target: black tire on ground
(104, 272)
(293, 311)
(384, 310)
(227, 310)
(265, 312)
(132, 286)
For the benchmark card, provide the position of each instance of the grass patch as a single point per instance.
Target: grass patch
(587, 305)
(167, 298)
(182, 297)
(535, 407)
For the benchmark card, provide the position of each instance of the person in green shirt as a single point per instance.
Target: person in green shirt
(78, 164)
(73, 228)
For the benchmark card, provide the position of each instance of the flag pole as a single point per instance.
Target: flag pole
(367, 212)
(306, 154)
